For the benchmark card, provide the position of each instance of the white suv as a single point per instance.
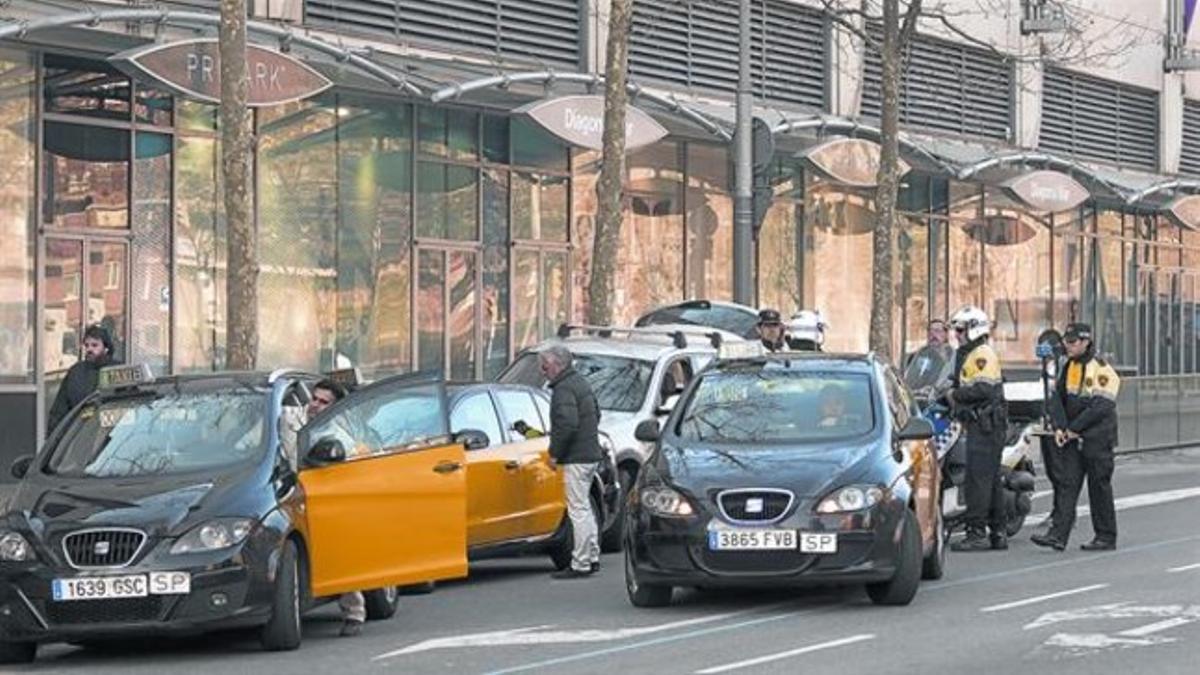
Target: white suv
(636, 373)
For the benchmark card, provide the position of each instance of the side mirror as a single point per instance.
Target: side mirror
(21, 466)
(474, 439)
(327, 451)
(917, 429)
(668, 405)
(647, 431)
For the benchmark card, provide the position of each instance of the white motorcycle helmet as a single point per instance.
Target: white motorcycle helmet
(807, 325)
(972, 321)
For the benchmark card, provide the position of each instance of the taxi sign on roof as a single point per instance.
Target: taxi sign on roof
(349, 378)
(740, 350)
(120, 377)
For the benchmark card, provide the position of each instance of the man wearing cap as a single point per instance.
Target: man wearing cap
(82, 377)
(770, 330)
(1083, 410)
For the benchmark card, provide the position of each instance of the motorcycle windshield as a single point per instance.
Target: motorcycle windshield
(928, 368)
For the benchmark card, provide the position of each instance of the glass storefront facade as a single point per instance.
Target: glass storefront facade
(395, 236)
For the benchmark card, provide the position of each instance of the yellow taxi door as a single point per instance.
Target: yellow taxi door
(542, 487)
(495, 503)
(384, 489)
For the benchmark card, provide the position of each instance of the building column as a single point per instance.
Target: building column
(595, 35)
(844, 81)
(1027, 103)
(1170, 123)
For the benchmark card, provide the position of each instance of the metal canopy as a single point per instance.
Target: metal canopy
(548, 78)
(93, 17)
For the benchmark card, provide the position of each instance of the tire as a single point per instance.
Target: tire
(282, 632)
(934, 564)
(18, 652)
(382, 603)
(613, 540)
(644, 595)
(902, 587)
(1016, 520)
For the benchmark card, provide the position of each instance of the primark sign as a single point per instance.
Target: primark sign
(579, 121)
(192, 68)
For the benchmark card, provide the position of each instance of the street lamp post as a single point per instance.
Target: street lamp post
(743, 227)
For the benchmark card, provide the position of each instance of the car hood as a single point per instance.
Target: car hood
(158, 506)
(809, 471)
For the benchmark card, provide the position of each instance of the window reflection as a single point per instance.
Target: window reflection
(447, 198)
(297, 212)
(781, 267)
(86, 176)
(495, 271)
(150, 295)
(199, 295)
(108, 290)
(1017, 264)
(373, 262)
(650, 260)
(431, 310)
(153, 105)
(539, 206)
(62, 326)
(451, 133)
(18, 147)
(709, 223)
(526, 298)
(841, 223)
(84, 87)
(534, 147)
(460, 282)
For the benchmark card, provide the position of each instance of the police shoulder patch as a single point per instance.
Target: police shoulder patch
(1103, 380)
(981, 363)
(1087, 382)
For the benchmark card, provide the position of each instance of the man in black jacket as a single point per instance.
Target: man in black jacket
(82, 377)
(1084, 413)
(575, 444)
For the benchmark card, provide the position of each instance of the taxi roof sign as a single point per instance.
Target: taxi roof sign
(348, 378)
(123, 377)
(741, 350)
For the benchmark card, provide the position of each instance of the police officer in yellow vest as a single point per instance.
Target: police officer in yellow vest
(977, 400)
(1084, 413)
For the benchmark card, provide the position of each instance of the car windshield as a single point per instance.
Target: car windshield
(736, 321)
(763, 405)
(620, 382)
(162, 435)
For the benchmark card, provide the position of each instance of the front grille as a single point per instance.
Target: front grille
(102, 548)
(754, 505)
(119, 610)
(756, 562)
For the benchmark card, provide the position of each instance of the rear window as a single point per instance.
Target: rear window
(738, 322)
(778, 406)
(620, 383)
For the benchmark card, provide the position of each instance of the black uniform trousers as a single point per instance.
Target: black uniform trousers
(1096, 465)
(985, 494)
(1052, 463)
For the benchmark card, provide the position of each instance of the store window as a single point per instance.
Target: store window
(649, 265)
(495, 272)
(150, 291)
(297, 246)
(86, 182)
(1114, 329)
(1016, 260)
(374, 268)
(782, 243)
(447, 201)
(18, 147)
(539, 206)
(449, 133)
(842, 223)
(535, 148)
(200, 251)
(965, 253)
(85, 88)
(709, 219)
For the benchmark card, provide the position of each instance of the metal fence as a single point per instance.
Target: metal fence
(1159, 412)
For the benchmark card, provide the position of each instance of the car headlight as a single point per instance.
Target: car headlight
(214, 535)
(665, 502)
(851, 498)
(14, 548)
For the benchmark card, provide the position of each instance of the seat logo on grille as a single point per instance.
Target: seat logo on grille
(754, 505)
(102, 547)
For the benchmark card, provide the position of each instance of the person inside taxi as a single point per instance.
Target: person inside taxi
(833, 407)
(324, 394)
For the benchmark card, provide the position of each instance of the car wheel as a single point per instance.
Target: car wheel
(282, 632)
(902, 587)
(934, 565)
(382, 603)
(644, 595)
(18, 652)
(563, 546)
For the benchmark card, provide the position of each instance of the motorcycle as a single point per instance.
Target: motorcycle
(927, 376)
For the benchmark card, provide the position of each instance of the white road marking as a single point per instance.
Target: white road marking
(783, 655)
(1086, 642)
(541, 635)
(1130, 502)
(1043, 598)
(1185, 568)
(1119, 610)
(1158, 626)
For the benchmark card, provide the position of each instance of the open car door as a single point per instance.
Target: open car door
(385, 489)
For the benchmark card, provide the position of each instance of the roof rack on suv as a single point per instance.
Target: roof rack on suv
(679, 338)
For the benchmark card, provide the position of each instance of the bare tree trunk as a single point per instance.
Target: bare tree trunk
(888, 180)
(607, 235)
(241, 290)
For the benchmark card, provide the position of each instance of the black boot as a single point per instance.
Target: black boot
(977, 540)
(999, 541)
(1049, 540)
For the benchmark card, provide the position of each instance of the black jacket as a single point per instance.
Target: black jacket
(574, 420)
(978, 393)
(80, 381)
(1087, 406)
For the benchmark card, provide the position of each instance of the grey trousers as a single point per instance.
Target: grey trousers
(353, 606)
(577, 479)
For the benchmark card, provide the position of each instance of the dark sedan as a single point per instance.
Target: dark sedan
(788, 469)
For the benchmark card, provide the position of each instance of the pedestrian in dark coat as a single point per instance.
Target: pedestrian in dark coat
(82, 377)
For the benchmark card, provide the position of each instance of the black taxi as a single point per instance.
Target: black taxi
(169, 505)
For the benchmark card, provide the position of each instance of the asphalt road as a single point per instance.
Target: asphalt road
(1028, 610)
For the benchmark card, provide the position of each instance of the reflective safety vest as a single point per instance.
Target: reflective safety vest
(982, 365)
